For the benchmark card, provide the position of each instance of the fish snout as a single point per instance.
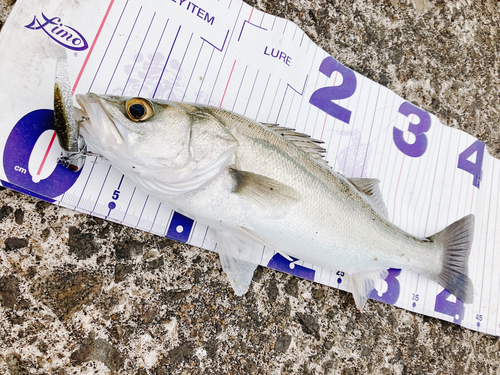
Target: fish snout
(96, 122)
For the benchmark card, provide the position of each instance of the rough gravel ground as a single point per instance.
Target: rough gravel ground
(79, 295)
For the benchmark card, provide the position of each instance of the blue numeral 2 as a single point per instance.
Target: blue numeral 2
(322, 97)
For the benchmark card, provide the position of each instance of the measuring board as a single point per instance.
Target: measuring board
(230, 55)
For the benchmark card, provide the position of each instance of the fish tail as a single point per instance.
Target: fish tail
(456, 240)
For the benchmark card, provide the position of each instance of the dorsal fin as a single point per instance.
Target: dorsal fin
(369, 186)
(301, 140)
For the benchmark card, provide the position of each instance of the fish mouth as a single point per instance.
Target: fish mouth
(96, 121)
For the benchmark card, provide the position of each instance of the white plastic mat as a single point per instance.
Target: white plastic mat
(225, 53)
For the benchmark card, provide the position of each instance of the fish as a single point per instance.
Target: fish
(260, 184)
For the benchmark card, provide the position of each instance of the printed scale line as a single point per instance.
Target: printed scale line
(168, 223)
(485, 249)
(128, 206)
(315, 85)
(44, 159)
(225, 53)
(142, 211)
(274, 99)
(123, 50)
(166, 62)
(309, 75)
(421, 198)
(239, 88)
(382, 140)
(100, 190)
(371, 130)
(77, 81)
(204, 75)
(154, 219)
(192, 72)
(497, 230)
(399, 176)
(138, 53)
(359, 91)
(433, 181)
(107, 47)
(263, 95)
(326, 114)
(363, 122)
(285, 94)
(227, 84)
(153, 57)
(251, 92)
(86, 183)
(180, 66)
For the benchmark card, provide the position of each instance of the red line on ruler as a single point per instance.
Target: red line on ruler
(92, 46)
(46, 154)
(323, 130)
(227, 84)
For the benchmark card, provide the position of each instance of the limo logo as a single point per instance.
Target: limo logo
(63, 34)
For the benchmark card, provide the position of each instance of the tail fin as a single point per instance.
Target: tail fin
(456, 240)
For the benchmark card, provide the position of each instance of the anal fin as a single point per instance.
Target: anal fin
(237, 256)
(363, 283)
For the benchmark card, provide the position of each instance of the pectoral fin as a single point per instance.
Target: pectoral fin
(237, 256)
(263, 191)
(363, 283)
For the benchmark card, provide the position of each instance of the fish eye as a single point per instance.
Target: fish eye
(139, 109)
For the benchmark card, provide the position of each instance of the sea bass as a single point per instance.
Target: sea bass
(260, 183)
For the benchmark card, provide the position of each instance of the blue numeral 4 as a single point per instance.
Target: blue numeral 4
(454, 309)
(473, 168)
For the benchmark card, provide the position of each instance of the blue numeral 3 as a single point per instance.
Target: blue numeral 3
(419, 147)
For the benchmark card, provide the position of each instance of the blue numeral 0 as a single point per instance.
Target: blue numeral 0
(419, 147)
(322, 97)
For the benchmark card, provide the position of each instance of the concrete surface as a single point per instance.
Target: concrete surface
(82, 296)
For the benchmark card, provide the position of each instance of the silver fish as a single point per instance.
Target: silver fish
(265, 184)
